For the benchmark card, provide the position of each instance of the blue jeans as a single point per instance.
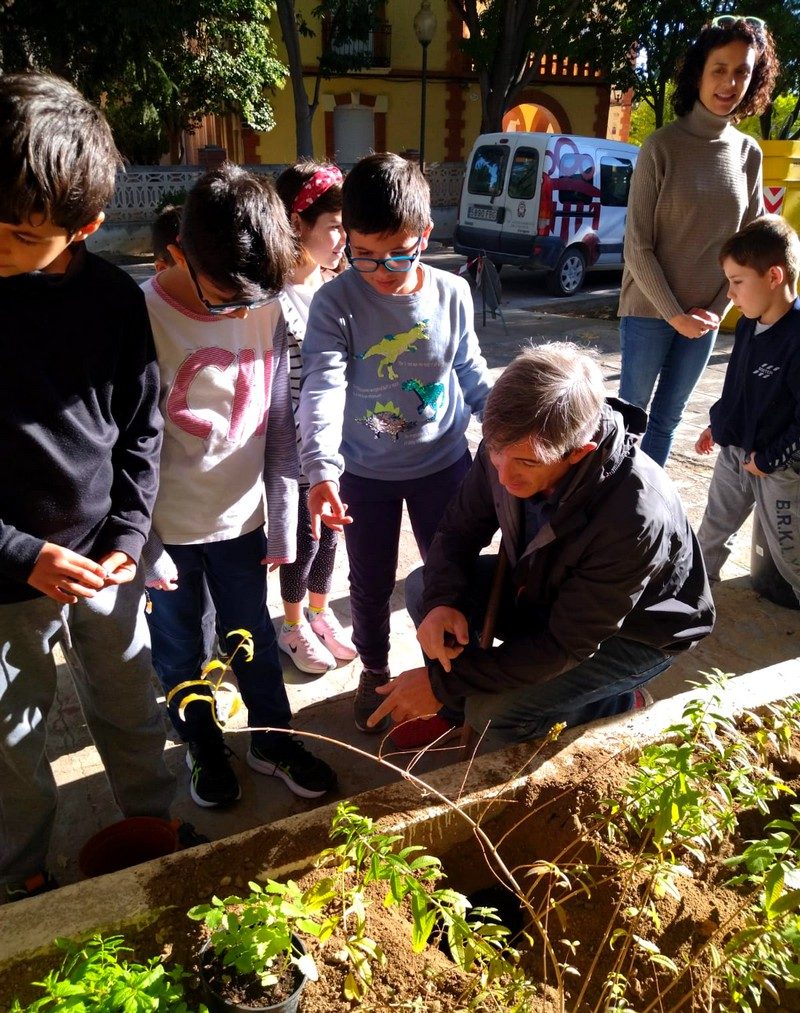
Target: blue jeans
(600, 686)
(237, 582)
(653, 350)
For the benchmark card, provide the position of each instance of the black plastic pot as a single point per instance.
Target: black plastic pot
(291, 1004)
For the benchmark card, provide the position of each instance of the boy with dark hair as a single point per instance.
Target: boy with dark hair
(80, 435)
(165, 234)
(756, 421)
(392, 372)
(229, 442)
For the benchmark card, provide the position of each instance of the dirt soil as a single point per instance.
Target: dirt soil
(553, 824)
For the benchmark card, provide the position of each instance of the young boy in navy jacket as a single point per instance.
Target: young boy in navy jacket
(756, 421)
(80, 437)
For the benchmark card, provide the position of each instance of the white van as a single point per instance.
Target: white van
(552, 201)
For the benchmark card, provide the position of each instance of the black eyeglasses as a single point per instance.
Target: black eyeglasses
(729, 20)
(221, 308)
(400, 264)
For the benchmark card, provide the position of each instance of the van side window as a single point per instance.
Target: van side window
(524, 174)
(615, 181)
(488, 170)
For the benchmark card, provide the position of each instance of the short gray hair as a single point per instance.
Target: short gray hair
(552, 395)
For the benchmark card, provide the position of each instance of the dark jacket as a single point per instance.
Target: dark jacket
(80, 430)
(617, 558)
(759, 408)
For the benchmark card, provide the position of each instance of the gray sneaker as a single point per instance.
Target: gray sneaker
(367, 701)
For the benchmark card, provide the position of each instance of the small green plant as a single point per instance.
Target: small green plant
(223, 697)
(253, 934)
(478, 944)
(94, 977)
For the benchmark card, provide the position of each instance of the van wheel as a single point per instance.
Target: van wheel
(569, 273)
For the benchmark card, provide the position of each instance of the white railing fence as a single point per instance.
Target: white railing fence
(142, 188)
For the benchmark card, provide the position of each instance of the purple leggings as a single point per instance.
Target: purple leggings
(373, 540)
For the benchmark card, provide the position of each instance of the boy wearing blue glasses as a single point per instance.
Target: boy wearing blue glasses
(229, 443)
(392, 372)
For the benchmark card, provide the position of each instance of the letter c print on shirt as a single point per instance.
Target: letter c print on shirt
(251, 394)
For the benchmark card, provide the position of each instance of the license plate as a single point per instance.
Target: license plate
(483, 214)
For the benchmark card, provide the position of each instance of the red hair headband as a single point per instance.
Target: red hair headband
(311, 191)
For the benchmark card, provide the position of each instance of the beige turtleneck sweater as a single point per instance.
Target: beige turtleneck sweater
(696, 182)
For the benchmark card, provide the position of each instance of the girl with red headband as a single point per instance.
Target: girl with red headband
(312, 195)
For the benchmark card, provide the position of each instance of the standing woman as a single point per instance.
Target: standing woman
(312, 195)
(696, 182)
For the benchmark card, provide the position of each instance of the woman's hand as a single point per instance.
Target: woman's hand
(695, 323)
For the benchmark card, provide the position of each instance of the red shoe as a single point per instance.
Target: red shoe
(420, 732)
(642, 699)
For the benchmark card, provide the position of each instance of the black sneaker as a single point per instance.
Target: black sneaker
(367, 701)
(213, 781)
(287, 758)
(39, 882)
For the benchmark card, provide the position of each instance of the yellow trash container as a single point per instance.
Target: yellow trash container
(781, 191)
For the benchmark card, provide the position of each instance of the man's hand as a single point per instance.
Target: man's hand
(751, 467)
(119, 567)
(324, 505)
(443, 634)
(695, 323)
(65, 576)
(408, 696)
(705, 442)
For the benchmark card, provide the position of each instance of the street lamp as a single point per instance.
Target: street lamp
(424, 29)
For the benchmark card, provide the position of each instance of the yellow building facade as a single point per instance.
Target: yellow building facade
(380, 107)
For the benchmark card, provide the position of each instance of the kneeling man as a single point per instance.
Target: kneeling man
(605, 581)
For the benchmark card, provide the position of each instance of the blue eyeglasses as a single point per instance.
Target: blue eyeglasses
(400, 264)
(220, 309)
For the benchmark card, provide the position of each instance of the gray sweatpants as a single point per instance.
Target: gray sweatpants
(107, 648)
(733, 493)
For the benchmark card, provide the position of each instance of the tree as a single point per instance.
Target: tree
(507, 39)
(344, 22)
(175, 60)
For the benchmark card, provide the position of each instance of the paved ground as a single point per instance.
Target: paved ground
(751, 633)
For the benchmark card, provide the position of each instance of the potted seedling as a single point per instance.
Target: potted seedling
(253, 958)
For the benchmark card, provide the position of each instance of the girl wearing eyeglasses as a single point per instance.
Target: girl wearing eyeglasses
(696, 182)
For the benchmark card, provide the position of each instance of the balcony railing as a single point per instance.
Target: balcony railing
(375, 50)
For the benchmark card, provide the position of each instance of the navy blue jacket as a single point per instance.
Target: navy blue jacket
(759, 410)
(80, 430)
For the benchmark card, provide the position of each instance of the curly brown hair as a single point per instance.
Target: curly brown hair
(759, 91)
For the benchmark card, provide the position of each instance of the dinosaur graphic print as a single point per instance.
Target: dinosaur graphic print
(385, 420)
(392, 346)
(431, 398)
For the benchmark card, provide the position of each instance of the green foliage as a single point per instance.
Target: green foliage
(253, 934)
(181, 59)
(94, 977)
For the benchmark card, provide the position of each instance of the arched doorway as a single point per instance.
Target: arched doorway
(529, 116)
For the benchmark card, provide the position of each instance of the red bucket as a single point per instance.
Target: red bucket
(126, 843)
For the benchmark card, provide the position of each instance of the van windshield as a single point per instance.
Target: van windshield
(488, 170)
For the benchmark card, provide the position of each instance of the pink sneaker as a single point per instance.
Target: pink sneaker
(329, 630)
(305, 650)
